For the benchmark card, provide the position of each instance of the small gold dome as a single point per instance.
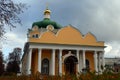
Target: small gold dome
(47, 11)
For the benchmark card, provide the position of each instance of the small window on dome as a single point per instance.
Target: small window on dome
(50, 28)
(35, 35)
(35, 28)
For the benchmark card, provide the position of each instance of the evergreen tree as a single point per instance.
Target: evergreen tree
(1, 63)
(14, 61)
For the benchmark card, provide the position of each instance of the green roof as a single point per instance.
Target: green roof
(45, 22)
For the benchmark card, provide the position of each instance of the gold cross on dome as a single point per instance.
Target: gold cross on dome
(47, 4)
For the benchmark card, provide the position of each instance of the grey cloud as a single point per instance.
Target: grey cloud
(101, 17)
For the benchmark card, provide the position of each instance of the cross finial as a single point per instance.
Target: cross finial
(47, 5)
(47, 12)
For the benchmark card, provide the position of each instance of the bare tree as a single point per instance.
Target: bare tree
(9, 14)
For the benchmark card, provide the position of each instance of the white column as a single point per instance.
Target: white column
(95, 61)
(53, 62)
(78, 70)
(39, 60)
(29, 61)
(81, 62)
(60, 62)
(84, 61)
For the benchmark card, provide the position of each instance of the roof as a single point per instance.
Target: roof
(45, 22)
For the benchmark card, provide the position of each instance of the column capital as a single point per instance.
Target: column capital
(39, 48)
(83, 51)
(53, 50)
(95, 52)
(60, 49)
(77, 50)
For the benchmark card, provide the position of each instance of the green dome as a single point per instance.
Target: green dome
(45, 22)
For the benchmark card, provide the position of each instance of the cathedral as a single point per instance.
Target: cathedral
(52, 49)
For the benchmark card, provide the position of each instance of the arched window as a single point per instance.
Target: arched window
(37, 35)
(33, 36)
(45, 66)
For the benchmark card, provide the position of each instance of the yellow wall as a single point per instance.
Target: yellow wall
(34, 65)
(34, 32)
(46, 54)
(66, 35)
(89, 56)
(57, 62)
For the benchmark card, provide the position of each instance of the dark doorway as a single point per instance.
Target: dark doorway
(87, 65)
(70, 64)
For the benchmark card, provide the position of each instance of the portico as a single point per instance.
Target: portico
(60, 53)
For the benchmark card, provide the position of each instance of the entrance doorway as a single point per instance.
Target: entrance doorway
(70, 64)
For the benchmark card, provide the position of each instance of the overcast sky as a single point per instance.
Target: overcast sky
(100, 17)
